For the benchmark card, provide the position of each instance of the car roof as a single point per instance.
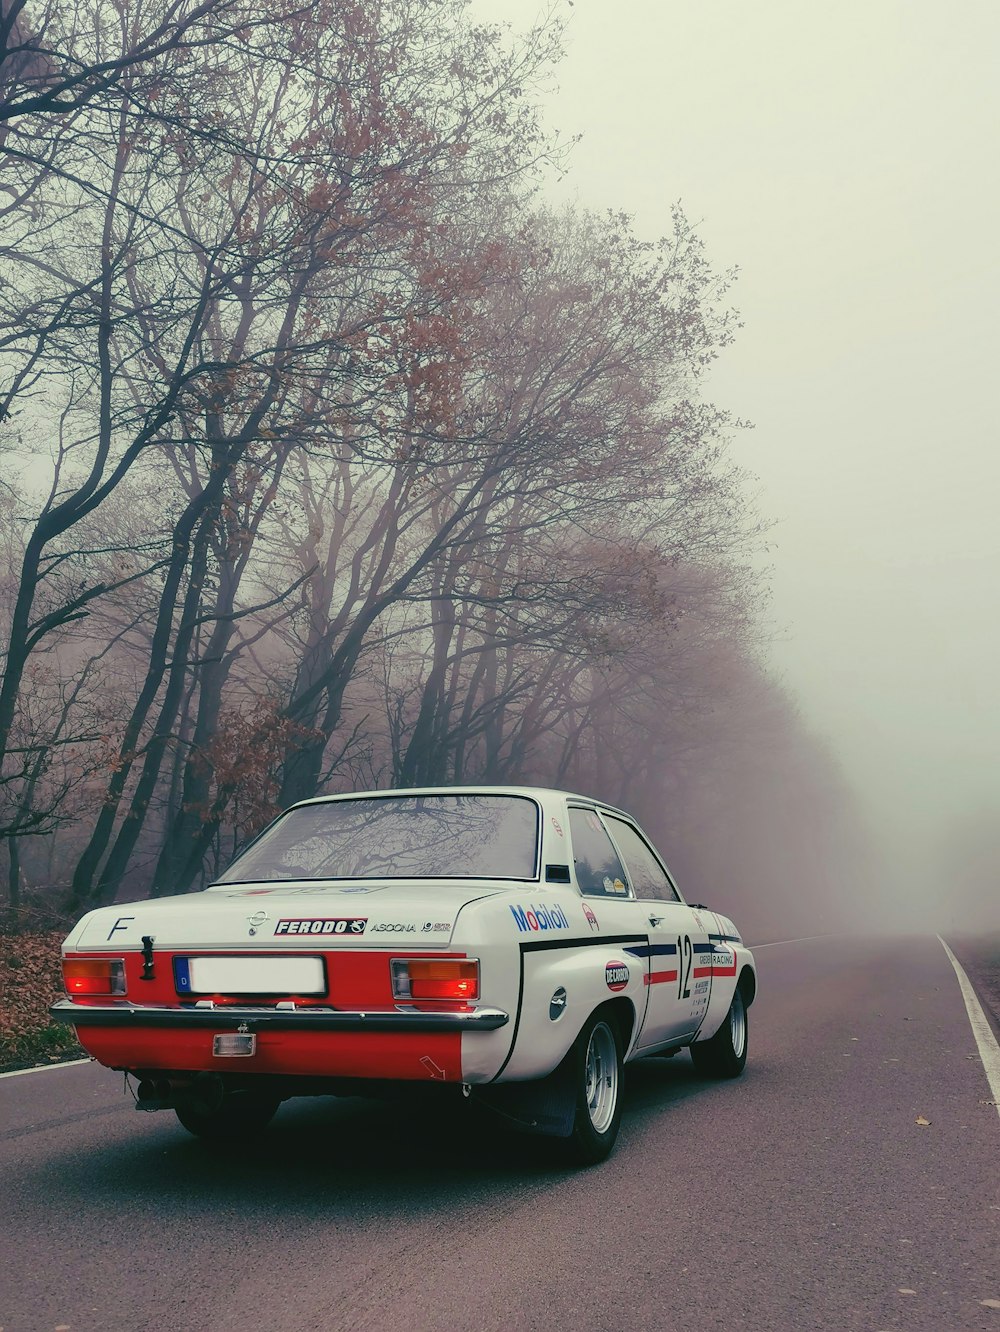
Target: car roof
(539, 793)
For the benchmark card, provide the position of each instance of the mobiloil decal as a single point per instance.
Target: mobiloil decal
(533, 918)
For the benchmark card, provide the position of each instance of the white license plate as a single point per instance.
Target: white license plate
(235, 1044)
(256, 975)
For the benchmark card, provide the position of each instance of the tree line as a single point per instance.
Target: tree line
(331, 456)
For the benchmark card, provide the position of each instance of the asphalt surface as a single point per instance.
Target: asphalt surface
(806, 1195)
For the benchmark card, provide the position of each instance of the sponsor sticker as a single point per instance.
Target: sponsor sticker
(723, 961)
(558, 826)
(321, 925)
(616, 975)
(532, 919)
(590, 917)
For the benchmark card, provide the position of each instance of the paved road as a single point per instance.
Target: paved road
(805, 1196)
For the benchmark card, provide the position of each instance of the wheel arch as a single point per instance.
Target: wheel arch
(747, 985)
(622, 1013)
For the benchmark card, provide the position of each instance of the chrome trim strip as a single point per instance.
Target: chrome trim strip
(227, 1016)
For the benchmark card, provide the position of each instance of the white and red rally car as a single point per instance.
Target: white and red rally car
(520, 943)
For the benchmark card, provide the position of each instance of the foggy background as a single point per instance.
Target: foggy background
(845, 159)
(359, 432)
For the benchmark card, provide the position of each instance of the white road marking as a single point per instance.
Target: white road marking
(989, 1050)
(45, 1068)
(778, 943)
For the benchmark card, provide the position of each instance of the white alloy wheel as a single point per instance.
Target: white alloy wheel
(602, 1074)
(738, 1025)
(595, 1065)
(725, 1054)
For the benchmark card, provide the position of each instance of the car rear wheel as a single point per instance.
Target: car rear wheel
(596, 1059)
(725, 1055)
(238, 1115)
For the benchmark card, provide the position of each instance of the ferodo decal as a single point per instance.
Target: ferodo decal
(616, 975)
(322, 925)
(533, 918)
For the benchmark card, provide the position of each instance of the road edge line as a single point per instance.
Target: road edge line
(45, 1068)
(806, 938)
(989, 1049)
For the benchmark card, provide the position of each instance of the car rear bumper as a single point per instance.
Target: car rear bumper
(248, 1018)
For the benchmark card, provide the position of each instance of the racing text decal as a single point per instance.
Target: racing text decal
(723, 961)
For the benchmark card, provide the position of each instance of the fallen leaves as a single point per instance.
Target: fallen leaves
(924, 1123)
(30, 980)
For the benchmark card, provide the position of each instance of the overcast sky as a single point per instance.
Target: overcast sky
(844, 156)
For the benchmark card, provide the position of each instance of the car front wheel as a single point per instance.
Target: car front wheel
(725, 1055)
(596, 1059)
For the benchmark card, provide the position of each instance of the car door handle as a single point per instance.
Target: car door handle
(656, 920)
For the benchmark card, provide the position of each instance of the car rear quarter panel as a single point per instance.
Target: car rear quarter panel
(523, 968)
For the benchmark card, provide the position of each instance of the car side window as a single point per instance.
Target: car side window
(599, 872)
(648, 876)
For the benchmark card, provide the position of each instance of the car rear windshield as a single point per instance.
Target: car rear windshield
(397, 837)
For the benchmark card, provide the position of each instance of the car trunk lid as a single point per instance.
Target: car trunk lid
(348, 914)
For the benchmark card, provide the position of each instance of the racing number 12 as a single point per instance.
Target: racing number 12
(684, 955)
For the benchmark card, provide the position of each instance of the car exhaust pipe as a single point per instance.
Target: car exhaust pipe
(154, 1094)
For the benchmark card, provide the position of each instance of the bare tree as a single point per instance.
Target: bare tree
(248, 216)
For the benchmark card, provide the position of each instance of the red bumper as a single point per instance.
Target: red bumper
(400, 1045)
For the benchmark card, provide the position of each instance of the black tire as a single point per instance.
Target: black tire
(725, 1055)
(238, 1116)
(596, 1064)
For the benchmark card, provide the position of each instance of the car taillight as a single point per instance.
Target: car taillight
(94, 975)
(435, 978)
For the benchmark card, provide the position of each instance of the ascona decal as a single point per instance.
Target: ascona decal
(531, 918)
(322, 925)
